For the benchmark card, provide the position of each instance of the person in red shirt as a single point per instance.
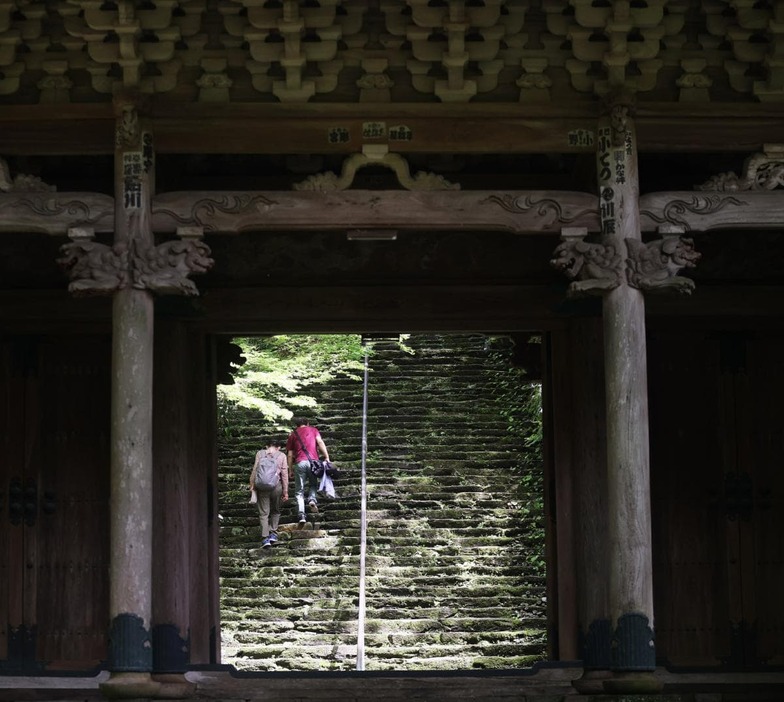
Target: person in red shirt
(304, 443)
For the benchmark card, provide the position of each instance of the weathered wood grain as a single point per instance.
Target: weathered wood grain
(626, 397)
(303, 128)
(513, 211)
(704, 210)
(55, 213)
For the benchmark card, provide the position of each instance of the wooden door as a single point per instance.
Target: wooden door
(54, 538)
(690, 532)
(717, 405)
(15, 629)
(760, 418)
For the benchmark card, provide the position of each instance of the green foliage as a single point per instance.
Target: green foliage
(403, 346)
(520, 403)
(280, 370)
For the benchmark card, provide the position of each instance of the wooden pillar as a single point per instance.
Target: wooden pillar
(130, 573)
(628, 464)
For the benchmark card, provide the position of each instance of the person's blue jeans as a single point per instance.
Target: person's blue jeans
(302, 478)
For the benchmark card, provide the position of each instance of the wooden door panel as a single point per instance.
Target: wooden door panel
(70, 457)
(761, 456)
(13, 632)
(6, 469)
(689, 530)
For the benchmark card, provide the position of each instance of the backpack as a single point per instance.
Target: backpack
(267, 476)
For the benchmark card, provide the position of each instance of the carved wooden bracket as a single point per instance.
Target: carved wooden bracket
(165, 268)
(21, 182)
(655, 266)
(93, 268)
(597, 268)
(378, 155)
(99, 269)
(763, 171)
(594, 268)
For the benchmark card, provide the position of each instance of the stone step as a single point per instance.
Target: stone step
(450, 545)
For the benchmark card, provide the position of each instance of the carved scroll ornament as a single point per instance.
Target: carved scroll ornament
(764, 171)
(546, 209)
(21, 182)
(379, 156)
(619, 124)
(655, 266)
(594, 268)
(698, 212)
(127, 129)
(95, 269)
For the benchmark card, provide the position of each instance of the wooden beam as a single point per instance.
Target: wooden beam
(516, 211)
(434, 128)
(391, 308)
(54, 213)
(513, 211)
(380, 309)
(707, 210)
(66, 129)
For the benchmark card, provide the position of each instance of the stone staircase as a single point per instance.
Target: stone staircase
(454, 571)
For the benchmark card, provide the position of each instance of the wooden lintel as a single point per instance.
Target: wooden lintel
(390, 308)
(516, 211)
(402, 308)
(55, 213)
(710, 210)
(381, 309)
(513, 211)
(433, 128)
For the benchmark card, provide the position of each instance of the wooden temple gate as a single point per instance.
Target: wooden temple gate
(665, 548)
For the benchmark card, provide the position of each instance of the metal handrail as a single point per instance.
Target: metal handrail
(363, 527)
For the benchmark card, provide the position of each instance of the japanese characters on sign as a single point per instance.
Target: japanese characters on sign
(338, 135)
(133, 170)
(400, 132)
(148, 155)
(612, 166)
(580, 137)
(374, 130)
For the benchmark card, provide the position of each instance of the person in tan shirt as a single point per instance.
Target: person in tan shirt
(269, 502)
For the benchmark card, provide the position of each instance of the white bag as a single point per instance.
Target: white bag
(327, 487)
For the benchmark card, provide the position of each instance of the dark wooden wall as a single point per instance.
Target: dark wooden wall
(54, 480)
(54, 498)
(716, 406)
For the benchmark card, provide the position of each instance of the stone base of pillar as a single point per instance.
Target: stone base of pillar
(591, 682)
(130, 685)
(640, 683)
(174, 686)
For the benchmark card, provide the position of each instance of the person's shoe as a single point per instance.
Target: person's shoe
(312, 506)
(273, 539)
(302, 519)
(266, 543)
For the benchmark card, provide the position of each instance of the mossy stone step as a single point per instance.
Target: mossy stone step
(446, 537)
